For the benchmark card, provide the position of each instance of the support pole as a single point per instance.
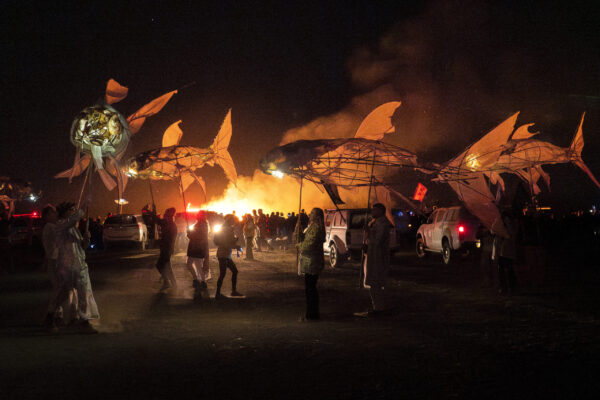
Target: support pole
(151, 193)
(87, 175)
(361, 273)
(300, 225)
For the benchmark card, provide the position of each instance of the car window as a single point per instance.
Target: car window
(440, 215)
(451, 215)
(114, 220)
(357, 220)
(432, 217)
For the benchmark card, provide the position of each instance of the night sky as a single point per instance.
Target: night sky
(459, 68)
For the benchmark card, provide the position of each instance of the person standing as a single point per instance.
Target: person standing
(262, 229)
(486, 240)
(506, 251)
(226, 241)
(198, 252)
(377, 262)
(50, 217)
(249, 234)
(312, 261)
(168, 231)
(72, 268)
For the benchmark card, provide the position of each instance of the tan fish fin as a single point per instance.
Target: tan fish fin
(220, 147)
(114, 92)
(172, 135)
(137, 119)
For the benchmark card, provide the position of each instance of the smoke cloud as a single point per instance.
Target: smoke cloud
(459, 69)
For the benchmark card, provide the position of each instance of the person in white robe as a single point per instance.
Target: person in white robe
(72, 267)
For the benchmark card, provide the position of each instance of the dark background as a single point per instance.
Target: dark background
(460, 68)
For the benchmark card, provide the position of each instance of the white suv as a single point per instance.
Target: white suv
(125, 228)
(344, 234)
(447, 230)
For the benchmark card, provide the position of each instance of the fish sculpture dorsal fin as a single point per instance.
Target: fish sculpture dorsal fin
(172, 135)
(379, 122)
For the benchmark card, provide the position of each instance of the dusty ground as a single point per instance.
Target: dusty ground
(444, 338)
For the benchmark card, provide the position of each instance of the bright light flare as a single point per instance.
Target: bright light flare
(217, 228)
(277, 174)
(121, 201)
(461, 229)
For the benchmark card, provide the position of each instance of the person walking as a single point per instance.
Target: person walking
(198, 252)
(168, 231)
(249, 234)
(73, 271)
(312, 260)
(226, 241)
(377, 262)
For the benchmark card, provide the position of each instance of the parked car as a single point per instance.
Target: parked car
(26, 230)
(446, 231)
(345, 233)
(125, 228)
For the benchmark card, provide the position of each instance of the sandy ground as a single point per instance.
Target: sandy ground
(445, 337)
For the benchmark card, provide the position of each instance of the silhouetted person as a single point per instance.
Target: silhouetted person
(377, 262)
(198, 252)
(312, 261)
(506, 251)
(168, 231)
(249, 235)
(226, 241)
(486, 240)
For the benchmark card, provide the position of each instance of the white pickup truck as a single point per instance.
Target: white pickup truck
(446, 231)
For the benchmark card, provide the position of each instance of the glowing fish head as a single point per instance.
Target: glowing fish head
(102, 126)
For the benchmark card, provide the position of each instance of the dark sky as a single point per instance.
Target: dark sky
(279, 65)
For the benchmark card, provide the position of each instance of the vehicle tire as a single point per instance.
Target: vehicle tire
(446, 252)
(335, 259)
(420, 248)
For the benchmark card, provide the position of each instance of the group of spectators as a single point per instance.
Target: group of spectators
(274, 231)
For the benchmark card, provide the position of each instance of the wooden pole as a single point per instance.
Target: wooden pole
(300, 225)
(361, 273)
(87, 175)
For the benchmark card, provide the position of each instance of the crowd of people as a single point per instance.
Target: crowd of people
(66, 236)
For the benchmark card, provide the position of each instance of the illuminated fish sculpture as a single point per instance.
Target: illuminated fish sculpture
(101, 132)
(506, 150)
(174, 161)
(344, 162)
(364, 160)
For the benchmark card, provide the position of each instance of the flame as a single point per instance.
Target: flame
(273, 194)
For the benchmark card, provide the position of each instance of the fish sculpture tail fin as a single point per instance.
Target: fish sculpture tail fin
(575, 150)
(220, 147)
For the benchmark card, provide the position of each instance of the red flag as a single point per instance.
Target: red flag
(420, 192)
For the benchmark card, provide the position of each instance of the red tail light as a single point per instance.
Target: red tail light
(461, 229)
